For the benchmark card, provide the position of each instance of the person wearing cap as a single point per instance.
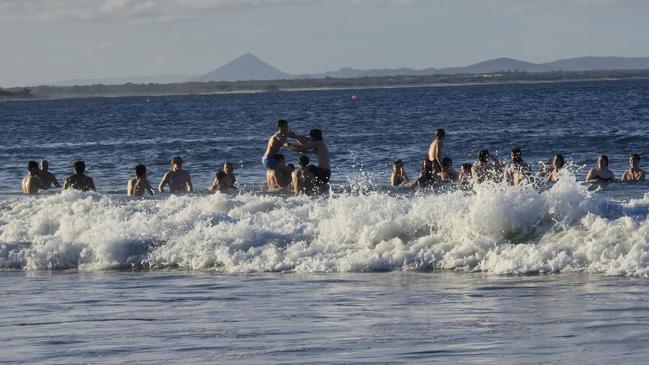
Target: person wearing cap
(178, 179)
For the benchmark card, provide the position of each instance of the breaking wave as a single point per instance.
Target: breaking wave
(495, 228)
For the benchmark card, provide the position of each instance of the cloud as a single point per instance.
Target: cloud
(149, 10)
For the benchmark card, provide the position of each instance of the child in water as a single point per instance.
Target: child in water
(138, 185)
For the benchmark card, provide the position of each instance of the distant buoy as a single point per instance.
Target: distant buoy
(354, 98)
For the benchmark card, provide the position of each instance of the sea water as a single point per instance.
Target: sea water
(367, 274)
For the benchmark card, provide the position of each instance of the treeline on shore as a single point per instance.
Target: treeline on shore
(190, 88)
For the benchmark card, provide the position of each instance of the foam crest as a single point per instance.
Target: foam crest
(495, 228)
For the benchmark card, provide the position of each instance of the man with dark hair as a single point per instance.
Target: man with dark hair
(138, 185)
(601, 172)
(303, 179)
(517, 171)
(435, 154)
(31, 182)
(47, 178)
(634, 173)
(225, 180)
(280, 177)
(79, 181)
(314, 144)
(178, 179)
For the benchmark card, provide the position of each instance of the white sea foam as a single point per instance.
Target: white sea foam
(495, 229)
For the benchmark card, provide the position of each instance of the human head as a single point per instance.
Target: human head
(279, 157)
(558, 161)
(44, 165)
(79, 167)
(602, 161)
(516, 154)
(176, 161)
(282, 125)
(32, 167)
(303, 161)
(316, 135)
(140, 170)
(440, 133)
(483, 155)
(466, 168)
(228, 168)
(447, 163)
(634, 160)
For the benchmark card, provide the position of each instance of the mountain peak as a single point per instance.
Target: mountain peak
(243, 68)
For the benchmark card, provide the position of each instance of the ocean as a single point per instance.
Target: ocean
(367, 274)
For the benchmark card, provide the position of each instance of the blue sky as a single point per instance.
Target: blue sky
(50, 40)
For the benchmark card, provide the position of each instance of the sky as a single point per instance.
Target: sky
(44, 41)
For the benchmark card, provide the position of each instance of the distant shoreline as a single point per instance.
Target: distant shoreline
(242, 87)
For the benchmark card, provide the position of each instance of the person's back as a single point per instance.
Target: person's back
(517, 171)
(448, 174)
(634, 173)
(487, 167)
(31, 183)
(79, 181)
(303, 178)
(139, 185)
(46, 177)
(425, 178)
(179, 180)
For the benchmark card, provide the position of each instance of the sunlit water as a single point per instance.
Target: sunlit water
(368, 274)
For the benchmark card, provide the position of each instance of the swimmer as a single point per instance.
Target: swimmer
(178, 179)
(465, 174)
(634, 173)
(398, 175)
(435, 150)
(275, 143)
(138, 185)
(224, 180)
(47, 178)
(79, 181)
(314, 144)
(517, 170)
(425, 178)
(601, 173)
(278, 178)
(303, 178)
(486, 167)
(557, 163)
(447, 174)
(31, 182)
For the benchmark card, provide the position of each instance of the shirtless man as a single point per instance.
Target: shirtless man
(314, 144)
(31, 182)
(47, 178)
(601, 173)
(224, 180)
(79, 181)
(138, 185)
(447, 173)
(435, 149)
(557, 163)
(486, 167)
(517, 171)
(303, 178)
(634, 173)
(178, 179)
(275, 143)
(278, 178)
(398, 175)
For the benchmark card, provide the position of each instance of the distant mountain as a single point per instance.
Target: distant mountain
(599, 63)
(495, 65)
(155, 79)
(244, 68)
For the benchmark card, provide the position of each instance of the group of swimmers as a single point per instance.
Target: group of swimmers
(439, 169)
(280, 176)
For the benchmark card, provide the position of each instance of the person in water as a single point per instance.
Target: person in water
(79, 181)
(47, 178)
(304, 178)
(425, 178)
(486, 167)
(275, 143)
(600, 173)
(32, 183)
(447, 173)
(279, 178)
(178, 179)
(139, 185)
(314, 144)
(435, 150)
(557, 164)
(517, 170)
(398, 176)
(225, 180)
(634, 173)
(466, 173)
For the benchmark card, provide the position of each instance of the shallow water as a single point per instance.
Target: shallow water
(397, 317)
